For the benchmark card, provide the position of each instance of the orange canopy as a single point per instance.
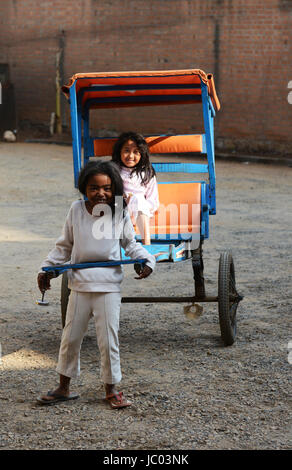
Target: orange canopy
(116, 89)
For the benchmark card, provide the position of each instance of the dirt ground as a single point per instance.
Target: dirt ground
(188, 390)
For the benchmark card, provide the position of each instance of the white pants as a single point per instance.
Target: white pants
(105, 308)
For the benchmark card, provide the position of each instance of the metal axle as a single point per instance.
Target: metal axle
(193, 299)
(168, 299)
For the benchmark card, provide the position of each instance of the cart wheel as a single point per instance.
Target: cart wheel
(65, 292)
(228, 298)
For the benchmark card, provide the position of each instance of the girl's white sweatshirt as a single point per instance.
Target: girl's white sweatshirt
(89, 238)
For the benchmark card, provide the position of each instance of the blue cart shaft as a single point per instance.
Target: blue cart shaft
(60, 268)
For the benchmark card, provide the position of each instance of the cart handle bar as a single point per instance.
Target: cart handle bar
(60, 268)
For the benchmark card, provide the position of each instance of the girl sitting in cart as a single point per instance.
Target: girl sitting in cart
(131, 153)
(95, 292)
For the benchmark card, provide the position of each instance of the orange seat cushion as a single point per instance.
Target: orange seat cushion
(157, 144)
(179, 210)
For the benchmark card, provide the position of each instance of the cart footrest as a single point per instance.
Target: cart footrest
(166, 252)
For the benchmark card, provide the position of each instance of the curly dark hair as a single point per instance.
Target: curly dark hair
(102, 167)
(144, 168)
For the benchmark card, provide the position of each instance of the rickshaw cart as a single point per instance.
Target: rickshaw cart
(174, 242)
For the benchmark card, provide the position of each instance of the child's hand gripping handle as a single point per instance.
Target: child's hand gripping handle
(43, 280)
(142, 270)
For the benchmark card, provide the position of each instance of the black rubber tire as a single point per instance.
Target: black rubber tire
(65, 292)
(227, 307)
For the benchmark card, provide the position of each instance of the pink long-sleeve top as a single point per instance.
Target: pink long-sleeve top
(144, 198)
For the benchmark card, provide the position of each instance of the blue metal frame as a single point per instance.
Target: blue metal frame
(76, 126)
(204, 211)
(81, 115)
(180, 167)
(208, 115)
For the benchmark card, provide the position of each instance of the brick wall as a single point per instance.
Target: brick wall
(245, 43)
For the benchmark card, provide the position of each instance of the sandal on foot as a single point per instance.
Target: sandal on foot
(116, 400)
(53, 398)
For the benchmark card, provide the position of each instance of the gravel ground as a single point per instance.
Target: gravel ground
(188, 390)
